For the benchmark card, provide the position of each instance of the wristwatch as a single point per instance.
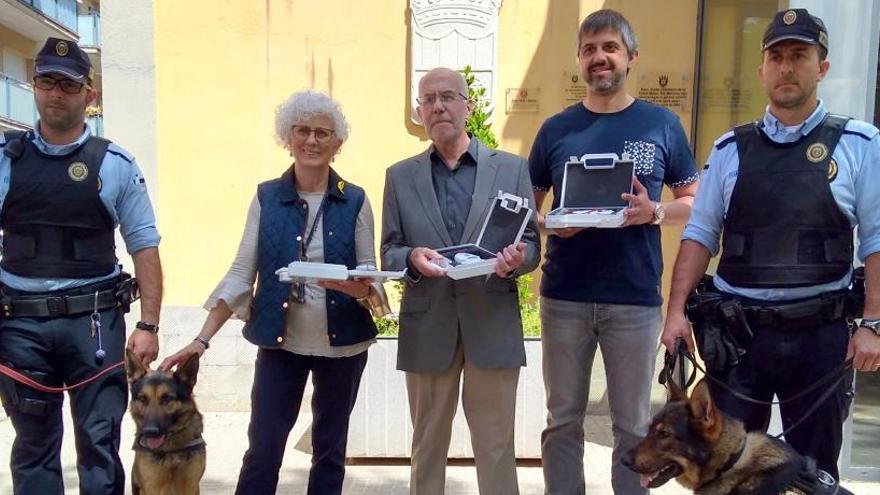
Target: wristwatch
(872, 324)
(150, 327)
(659, 213)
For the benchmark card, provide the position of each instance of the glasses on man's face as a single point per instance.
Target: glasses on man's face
(302, 133)
(69, 86)
(446, 97)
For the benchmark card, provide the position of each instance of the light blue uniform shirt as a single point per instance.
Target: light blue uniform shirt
(123, 192)
(856, 189)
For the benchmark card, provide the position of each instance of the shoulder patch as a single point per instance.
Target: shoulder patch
(117, 150)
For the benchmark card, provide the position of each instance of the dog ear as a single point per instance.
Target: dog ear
(134, 367)
(187, 371)
(675, 392)
(701, 406)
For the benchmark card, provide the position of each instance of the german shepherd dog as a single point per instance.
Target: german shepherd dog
(711, 453)
(169, 450)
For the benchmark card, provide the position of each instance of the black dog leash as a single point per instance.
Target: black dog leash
(838, 374)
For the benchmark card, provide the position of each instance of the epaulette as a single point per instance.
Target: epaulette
(115, 149)
(724, 140)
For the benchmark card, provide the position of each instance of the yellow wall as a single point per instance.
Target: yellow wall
(223, 66)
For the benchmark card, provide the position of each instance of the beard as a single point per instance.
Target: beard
(62, 119)
(605, 85)
(792, 99)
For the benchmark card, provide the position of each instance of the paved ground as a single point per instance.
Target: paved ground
(225, 434)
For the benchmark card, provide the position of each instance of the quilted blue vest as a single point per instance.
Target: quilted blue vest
(282, 219)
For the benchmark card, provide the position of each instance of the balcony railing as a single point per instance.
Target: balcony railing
(89, 28)
(60, 11)
(17, 101)
(96, 124)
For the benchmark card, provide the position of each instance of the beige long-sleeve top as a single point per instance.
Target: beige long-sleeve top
(306, 326)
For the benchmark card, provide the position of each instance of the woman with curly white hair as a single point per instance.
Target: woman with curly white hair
(312, 214)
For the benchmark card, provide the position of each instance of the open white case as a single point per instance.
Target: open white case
(305, 271)
(591, 189)
(504, 225)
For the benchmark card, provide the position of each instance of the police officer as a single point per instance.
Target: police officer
(787, 192)
(63, 192)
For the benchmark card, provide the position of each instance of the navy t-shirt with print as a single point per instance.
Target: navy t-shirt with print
(616, 266)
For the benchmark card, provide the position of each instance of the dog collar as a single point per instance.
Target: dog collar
(191, 445)
(727, 465)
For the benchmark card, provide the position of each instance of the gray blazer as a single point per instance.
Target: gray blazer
(433, 310)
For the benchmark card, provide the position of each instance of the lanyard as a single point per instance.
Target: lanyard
(304, 246)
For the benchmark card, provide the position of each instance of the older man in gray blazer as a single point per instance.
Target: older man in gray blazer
(448, 328)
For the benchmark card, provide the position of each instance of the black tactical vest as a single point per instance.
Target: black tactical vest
(783, 227)
(54, 223)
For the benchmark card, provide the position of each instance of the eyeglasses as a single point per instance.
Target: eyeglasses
(445, 97)
(69, 86)
(302, 133)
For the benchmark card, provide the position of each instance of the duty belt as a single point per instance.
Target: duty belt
(97, 297)
(802, 314)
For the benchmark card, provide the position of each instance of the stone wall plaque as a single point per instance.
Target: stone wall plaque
(522, 100)
(673, 91)
(573, 88)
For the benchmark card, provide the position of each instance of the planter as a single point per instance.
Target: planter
(380, 423)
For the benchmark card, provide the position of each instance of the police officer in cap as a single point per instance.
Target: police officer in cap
(787, 192)
(63, 192)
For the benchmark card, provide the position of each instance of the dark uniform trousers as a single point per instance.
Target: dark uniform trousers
(55, 352)
(279, 382)
(784, 363)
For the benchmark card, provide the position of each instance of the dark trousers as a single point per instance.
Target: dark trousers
(279, 381)
(55, 352)
(785, 362)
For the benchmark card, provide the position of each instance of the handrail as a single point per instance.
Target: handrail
(60, 11)
(89, 29)
(17, 100)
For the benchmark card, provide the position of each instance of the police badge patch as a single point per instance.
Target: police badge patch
(817, 152)
(62, 49)
(789, 17)
(78, 171)
(832, 170)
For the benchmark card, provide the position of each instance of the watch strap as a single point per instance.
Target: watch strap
(149, 327)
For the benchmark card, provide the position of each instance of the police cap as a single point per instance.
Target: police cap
(795, 24)
(65, 58)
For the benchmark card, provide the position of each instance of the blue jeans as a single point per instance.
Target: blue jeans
(627, 337)
(279, 381)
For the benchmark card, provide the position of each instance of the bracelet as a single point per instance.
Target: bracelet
(149, 327)
(366, 297)
(203, 341)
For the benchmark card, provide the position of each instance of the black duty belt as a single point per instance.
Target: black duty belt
(65, 303)
(802, 314)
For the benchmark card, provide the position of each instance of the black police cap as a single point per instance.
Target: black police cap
(795, 24)
(65, 58)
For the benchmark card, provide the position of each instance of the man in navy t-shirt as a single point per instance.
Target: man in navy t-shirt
(602, 286)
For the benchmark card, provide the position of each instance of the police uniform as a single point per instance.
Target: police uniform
(787, 199)
(59, 208)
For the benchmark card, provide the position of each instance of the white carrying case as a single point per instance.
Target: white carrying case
(591, 189)
(305, 271)
(504, 225)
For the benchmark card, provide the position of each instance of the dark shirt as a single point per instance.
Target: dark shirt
(613, 266)
(454, 188)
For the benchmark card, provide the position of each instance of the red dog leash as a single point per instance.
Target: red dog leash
(25, 380)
